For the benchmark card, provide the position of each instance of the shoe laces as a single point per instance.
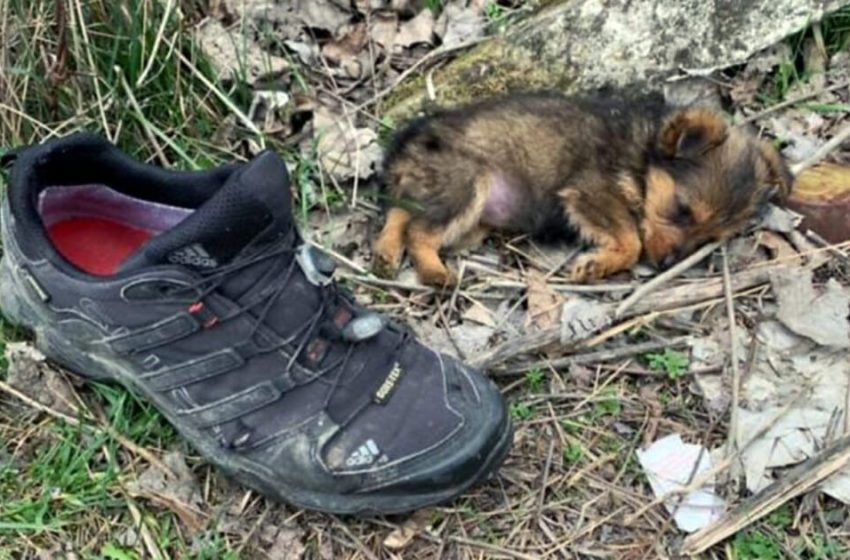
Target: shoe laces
(317, 267)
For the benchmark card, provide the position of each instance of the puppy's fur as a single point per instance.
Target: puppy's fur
(630, 177)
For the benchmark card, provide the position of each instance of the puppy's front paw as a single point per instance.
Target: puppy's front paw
(587, 268)
(383, 267)
(385, 261)
(438, 277)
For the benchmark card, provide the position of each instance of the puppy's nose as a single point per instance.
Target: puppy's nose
(668, 261)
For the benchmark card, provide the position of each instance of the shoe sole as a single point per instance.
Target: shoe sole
(14, 305)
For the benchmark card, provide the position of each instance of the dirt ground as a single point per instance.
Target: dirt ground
(744, 353)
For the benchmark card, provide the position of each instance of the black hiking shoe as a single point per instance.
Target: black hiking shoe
(196, 290)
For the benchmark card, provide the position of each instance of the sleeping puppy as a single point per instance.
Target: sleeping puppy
(630, 178)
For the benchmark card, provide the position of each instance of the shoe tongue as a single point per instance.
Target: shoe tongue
(252, 207)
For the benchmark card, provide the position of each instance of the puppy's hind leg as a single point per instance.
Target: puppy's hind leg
(386, 254)
(424, 240)
(423, 244)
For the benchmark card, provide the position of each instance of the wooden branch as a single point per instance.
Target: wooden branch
(603, 355)
(797, 481)
(679, 268)
(834, 143)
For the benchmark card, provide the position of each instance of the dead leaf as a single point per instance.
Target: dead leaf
(401, 536)
(418, 30)
(321, 14)
(818, 313)
(284, 543)
(233, 54)
(349, 52)
(779, 219)
(308, 53)
(30, 373)
(747, 83)
(459, 23)
(180, 494)
(742, 252)
(469, 338)
(778, 247)
(801, 143)
(266, 109)
(346, 232)
(480, 314)
(582, 317)
(384, 29)
(544, 303)
(708, 352)
(343, 150)
(744, 88)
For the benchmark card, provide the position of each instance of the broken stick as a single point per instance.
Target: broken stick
(797, 481)
(674, 271)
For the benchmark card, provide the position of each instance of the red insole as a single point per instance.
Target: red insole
(96, 246)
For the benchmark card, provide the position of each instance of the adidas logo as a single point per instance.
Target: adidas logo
(193, 255)
(363, 455)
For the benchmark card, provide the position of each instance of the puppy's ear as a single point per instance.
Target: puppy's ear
(688, 133)
(779, 175)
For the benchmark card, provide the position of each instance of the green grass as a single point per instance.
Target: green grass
(121, 77)
(534, 379)
(521, 411)
(608, 404)
(573, 453)
(436, 6)
(835, 36)
(132, 73)
(670, 362)
(73, 477)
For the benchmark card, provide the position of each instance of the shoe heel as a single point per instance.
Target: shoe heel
(48, 340)
(68, 355)
(11, 305)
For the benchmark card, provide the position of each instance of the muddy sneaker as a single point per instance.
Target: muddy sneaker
(196, 290)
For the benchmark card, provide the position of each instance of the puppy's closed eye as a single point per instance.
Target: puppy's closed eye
(683, 215)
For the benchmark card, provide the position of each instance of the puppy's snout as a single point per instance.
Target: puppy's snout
(669, 261)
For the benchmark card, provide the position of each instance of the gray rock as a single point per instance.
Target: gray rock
(580, 45)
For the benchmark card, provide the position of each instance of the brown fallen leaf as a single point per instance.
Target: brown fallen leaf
(459, 23)
(268, 110)
(417, 30)
(480, 314)
(180, 494)
(344, 150)
(321, 14)
(817, 312)
(232, 53)
(349, 52)
(308, 53)
(30, 373)
(747, 83)
(797, 133)
(778, 247)
(284, 543)
(401, 536)
(544, 303)
(383, 29)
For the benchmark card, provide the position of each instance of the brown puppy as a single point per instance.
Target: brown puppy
(631, 178)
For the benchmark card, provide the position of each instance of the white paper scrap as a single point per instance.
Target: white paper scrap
(669, 465)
